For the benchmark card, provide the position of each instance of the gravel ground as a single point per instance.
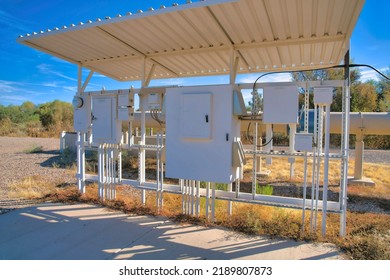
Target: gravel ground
(16, 163)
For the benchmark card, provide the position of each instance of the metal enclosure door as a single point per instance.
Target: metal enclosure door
(102, 119)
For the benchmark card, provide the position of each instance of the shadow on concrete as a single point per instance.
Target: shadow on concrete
(88, 232)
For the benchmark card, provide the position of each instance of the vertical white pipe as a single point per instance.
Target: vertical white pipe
(197, 198)
(319, 156)
(230, 203)
(213, 203)
(238, 188)
(304, 191)
(293, 130)
(100, 170)
(142, 150)
(254, 168)
(192, 196)
(313, 177)
(207, 200)
(181, 182)
(158, 174)
(326, 170)
(269, 147)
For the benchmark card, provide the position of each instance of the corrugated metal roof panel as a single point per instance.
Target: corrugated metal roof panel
(198, 39)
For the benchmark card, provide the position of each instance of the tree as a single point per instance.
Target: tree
(383, 91)
(364, 98)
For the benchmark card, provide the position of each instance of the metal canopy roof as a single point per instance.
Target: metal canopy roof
(203, 38)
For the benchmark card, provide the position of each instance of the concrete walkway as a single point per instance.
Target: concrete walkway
(81, 231)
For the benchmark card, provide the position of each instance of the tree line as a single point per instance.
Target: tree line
(28, 119)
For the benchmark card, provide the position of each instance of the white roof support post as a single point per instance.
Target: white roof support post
(80, 142)
(79, 78)
(141, 166)
(149, 77)
(86, 82)
(234, 59)
(345, 147)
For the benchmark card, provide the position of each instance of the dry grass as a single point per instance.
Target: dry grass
(368, 235)
(31, 188)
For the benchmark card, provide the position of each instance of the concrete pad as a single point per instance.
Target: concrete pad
(81, 231)
(368, 182)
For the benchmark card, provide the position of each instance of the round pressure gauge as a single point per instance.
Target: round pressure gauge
(77, 102)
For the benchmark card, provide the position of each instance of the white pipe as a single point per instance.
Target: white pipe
(326, 170)
(254, 167)
(207, 200)
(230, 203)
(304, 191)
(197, 199)
(367, 122)
(181, 183)
(313, 180)
(213, 203)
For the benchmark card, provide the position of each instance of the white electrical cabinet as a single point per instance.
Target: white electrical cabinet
(280, 104)
(323, 95)
(125, 105)
(82, 112)
(303, 142)
(106, 128)
(200, 133)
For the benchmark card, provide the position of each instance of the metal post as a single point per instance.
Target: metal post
(345, 148)
(254, 169)
(230, 203)
(213, 203)
(207, 200)
(304, 191)
(142, 150)
(293, 129)
(359, 154)
(269, 136)
(326, 170)
(197, 209)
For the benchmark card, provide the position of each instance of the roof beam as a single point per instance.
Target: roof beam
(278, 43)
(226, 34)
(45, 50)
(139, 53)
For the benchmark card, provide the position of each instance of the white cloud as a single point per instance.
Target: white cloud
(46, 69)
(15, 23)
(277, 77)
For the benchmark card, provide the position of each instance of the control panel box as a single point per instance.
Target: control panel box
(280, 104)
(125, 105)
(200, 131)
(106, 128)
(303, 142)
(323, 95)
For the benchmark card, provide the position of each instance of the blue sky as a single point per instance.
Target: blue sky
(29, 75)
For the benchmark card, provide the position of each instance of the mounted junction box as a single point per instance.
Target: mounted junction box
(303, 142)
(280, 104)
(154, 101)
(106, 128)
(323, 95)
(125, 105)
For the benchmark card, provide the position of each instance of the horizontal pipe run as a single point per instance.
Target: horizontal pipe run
(278, 201)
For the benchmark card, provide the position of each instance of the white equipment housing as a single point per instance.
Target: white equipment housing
(106, 127)
(280, 104)
(200, 132)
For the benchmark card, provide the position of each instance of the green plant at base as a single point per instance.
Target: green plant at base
(265, 190)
